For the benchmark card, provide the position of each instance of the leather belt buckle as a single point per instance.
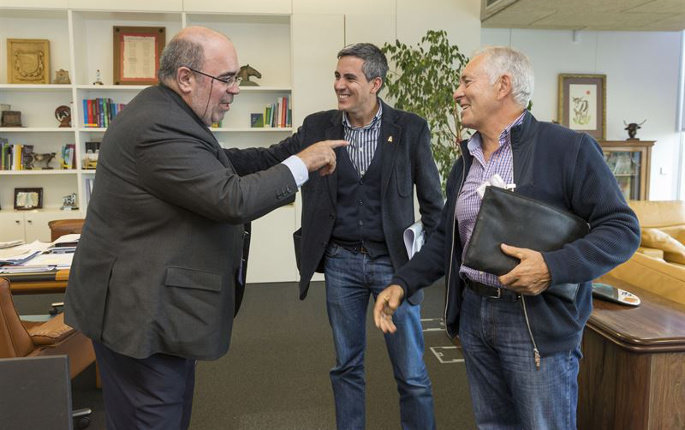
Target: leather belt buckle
(498, 296)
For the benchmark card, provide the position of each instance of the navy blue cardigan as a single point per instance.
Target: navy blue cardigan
(565, 169)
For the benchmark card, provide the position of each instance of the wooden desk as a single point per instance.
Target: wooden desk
(632, 375)
(38, 283)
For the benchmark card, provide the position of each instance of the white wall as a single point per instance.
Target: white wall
(642, 71)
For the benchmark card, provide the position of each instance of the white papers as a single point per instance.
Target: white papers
(11, 243)
(414, 236)
(67, 240)
(22, 253)
(39, 256)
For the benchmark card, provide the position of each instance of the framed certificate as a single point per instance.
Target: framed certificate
(136, 54)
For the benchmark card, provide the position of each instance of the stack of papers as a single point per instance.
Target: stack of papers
(39, 256)
(11, 243)
(22, 253)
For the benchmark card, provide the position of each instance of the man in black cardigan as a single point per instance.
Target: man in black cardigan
(352, 226)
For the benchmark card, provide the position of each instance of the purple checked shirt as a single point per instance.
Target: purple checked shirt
(468, 201)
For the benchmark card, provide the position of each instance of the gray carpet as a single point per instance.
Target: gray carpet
(275, 376)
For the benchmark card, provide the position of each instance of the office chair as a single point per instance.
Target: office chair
(60, 227)
(33, 339)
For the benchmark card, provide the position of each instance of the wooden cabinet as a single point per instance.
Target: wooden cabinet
(30, 225)
(629, 161)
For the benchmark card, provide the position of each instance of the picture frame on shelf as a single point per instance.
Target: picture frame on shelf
(137, 51)
(582, 103)
(28, 198)
(28, 61)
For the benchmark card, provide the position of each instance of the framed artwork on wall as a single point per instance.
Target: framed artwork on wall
(582, 103)
(28, 61)
(137, 51)
(28, 198)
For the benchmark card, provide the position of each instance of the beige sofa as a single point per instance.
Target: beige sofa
(659, 263)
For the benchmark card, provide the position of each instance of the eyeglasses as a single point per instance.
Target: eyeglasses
(229, 82)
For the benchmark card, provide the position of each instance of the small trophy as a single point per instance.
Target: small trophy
(98, 80)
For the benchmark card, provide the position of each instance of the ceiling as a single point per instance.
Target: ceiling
(614, 15)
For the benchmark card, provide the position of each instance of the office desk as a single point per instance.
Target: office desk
(632, 375)
(38, 283)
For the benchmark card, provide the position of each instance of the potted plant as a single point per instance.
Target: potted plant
(425, 78)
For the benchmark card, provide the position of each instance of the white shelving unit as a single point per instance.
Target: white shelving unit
(81, 42)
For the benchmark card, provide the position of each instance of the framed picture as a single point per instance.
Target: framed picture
(582, 103)
(136, 54)
(28, 198)
(28, 61)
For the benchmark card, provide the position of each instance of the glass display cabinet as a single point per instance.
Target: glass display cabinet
(629, 160)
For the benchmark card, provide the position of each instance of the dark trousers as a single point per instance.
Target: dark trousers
(150, 393)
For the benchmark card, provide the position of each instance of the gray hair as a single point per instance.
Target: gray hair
(503, 60)
(181, 51)
(375, 64)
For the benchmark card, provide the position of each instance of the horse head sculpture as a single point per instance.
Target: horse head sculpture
(244, 74)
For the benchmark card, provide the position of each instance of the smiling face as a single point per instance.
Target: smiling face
(356, 95)
(210, 98)
(476, 96)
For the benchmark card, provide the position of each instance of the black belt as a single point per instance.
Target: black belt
(357, 249)
(373, 250)
(490, 291)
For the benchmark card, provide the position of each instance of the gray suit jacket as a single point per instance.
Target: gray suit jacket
(407, 161)
(155, 270)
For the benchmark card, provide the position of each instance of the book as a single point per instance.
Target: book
(256, 120)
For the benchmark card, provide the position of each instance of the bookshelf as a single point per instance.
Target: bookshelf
(80, 38)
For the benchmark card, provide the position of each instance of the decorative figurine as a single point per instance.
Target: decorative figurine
(61, 77)
(632, 128)
(69, 202)
(98, 80)
(63, 115)
(244, 74)
(40, 158)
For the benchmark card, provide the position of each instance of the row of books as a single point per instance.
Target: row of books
(278, 114)
(99, 112)
(15, 156)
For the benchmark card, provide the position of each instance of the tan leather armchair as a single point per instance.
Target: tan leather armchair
(24, 338)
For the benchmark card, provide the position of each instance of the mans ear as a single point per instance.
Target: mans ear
(504, 86)
(377, 84)
(185, 79)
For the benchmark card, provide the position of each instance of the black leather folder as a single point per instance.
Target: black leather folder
(517, 220)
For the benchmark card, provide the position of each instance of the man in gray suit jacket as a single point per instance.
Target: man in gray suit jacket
(352, 226)
(154, 278)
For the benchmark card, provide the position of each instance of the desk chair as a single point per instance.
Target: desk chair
(28, 339)
(60, 227)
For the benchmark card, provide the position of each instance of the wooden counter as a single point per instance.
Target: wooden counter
(632, 375)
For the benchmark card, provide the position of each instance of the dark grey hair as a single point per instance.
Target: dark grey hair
(181, 51)
(503, 60)
(375, 64)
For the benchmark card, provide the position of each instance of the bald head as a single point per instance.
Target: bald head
(192, 47)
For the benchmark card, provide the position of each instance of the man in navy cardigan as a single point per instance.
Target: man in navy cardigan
(521, 345)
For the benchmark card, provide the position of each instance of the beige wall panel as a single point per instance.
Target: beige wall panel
(233, 6)
(354, 6)
(316, 39)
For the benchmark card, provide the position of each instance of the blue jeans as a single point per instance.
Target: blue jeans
(507, 390)
(351, 278)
